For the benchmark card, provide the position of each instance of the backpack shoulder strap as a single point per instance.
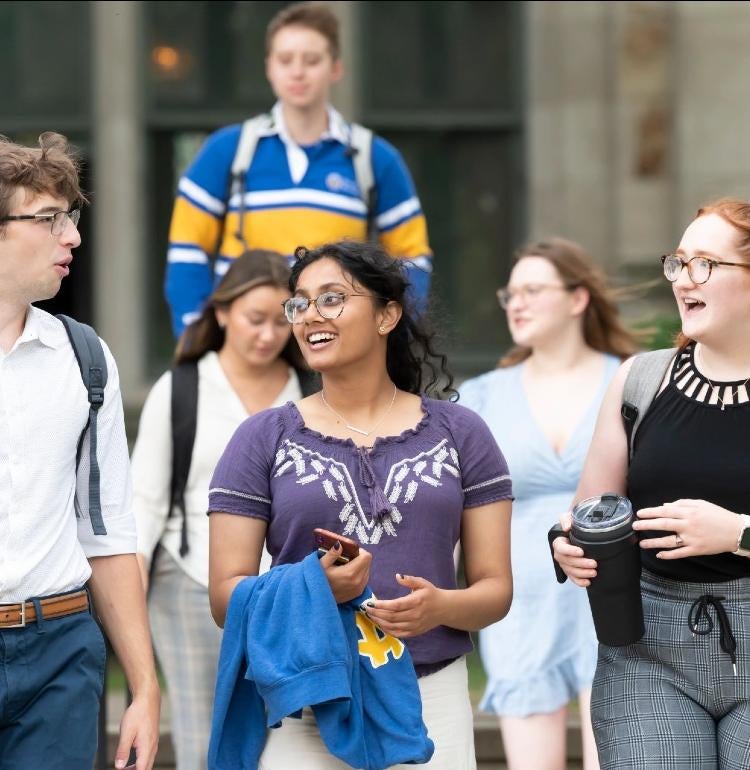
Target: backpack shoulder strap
(184, 405)
(360, 148)
(640, 388)
(251, 131)
(93, 365)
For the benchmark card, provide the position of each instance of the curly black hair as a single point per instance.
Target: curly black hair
(411, 359)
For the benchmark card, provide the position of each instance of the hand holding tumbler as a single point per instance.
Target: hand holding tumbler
(602, 527)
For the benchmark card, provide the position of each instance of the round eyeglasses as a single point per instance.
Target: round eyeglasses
(699, 268)
(527, 293)
(329, 305)
(58, 219)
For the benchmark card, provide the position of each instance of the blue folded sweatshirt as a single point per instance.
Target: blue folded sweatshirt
(288, 645)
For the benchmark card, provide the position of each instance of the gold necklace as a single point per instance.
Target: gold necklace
(734, 392)
(352, 427)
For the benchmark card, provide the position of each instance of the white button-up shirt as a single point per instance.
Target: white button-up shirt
(220, 413)
(45, 531)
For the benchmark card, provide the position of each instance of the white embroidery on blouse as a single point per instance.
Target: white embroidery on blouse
(336, 481)
(487, 483)
(402, 484)
(243, 495)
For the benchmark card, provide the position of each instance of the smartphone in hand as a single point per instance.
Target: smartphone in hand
(325, 540)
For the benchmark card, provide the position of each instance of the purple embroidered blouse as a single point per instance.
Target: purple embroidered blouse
(402, 500)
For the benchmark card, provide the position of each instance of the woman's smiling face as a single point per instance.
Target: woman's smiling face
(722, 304)
(540, 304)
(329, 343)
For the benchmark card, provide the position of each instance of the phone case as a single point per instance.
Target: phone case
(325, 540)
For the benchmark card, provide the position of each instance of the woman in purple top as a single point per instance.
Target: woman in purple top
(375, 459)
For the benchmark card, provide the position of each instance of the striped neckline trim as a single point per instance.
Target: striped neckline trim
(697, 387)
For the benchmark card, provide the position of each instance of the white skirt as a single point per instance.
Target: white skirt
(446, 711)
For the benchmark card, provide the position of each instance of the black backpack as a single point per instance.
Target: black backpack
(90, 356)
(184, 420)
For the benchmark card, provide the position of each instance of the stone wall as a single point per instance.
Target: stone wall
(637, 113)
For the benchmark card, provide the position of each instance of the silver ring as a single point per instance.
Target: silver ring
(678, 542)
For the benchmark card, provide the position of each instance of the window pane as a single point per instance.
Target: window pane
(170, 153)
(471, 188)
(208, 56)
(440, 55)
(44, 58)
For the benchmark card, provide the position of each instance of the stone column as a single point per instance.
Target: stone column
(118, 158)
(604, 119)
(713, 103)
(645, 172)
(569, 117)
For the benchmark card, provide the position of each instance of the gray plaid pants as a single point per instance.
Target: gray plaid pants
(187, 643)
(672, 701)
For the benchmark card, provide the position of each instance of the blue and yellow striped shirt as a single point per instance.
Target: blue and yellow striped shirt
(280, 214)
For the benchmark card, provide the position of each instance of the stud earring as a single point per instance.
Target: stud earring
(381, 329)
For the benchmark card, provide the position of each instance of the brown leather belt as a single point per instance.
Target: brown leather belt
(21, 614)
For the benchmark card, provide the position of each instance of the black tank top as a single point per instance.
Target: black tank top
(690, 445)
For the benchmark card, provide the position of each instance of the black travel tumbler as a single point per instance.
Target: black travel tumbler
(602, 527)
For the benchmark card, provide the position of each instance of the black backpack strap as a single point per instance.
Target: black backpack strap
(641, 387)
(184, 421)
(93, 365)
(309, 381)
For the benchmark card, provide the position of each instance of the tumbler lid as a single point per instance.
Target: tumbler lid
(601, 514)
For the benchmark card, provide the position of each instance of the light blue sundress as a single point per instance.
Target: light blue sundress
(544, 651)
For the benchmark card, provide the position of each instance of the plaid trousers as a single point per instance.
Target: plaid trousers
(672, 700)
(187, 643)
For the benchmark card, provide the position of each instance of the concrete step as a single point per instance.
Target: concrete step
(489, 744)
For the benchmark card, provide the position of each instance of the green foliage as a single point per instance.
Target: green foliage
(659, 331)
(477, 676)
(115, 677)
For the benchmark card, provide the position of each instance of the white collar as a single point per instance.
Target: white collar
(338, 130)
(43, 327)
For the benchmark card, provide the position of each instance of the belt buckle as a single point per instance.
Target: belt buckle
(22, 624)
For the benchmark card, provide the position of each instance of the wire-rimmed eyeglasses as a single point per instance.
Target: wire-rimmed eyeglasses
(57, 219)
(329, 304)
(530, 291)
(699, 268)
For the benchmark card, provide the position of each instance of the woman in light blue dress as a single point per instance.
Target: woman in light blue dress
(541, 404)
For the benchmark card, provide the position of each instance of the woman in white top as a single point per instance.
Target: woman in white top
(246, 361)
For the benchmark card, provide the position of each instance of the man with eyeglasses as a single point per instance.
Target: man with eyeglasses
(52, 654)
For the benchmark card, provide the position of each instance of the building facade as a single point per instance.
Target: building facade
(604, 122)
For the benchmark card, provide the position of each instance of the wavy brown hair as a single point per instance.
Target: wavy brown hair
(737, 213)
(603, 329)
(412, 361)
(254, 268)
(51, 168)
